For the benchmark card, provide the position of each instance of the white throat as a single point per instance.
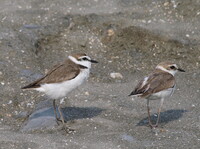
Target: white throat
(163, 69)
(83, 63)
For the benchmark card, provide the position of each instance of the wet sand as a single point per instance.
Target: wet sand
(127, 37)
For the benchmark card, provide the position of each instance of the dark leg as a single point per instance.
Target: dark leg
(67, 129)
(61, 115)
(149, 115)
(55, 112)
(61, 119)
(159, 110)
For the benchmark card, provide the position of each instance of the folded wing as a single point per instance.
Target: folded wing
(154, 83)
(59, 73)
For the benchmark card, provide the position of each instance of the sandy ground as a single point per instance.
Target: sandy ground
(127, 37)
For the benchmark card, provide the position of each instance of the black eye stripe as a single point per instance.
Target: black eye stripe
(172, 67)
(85, 59)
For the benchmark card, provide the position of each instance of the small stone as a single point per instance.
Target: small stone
(8, 115)
(110, 32)
(166, 3)
(9, 102)
(87, 93)
(149, 21)
(116, 75)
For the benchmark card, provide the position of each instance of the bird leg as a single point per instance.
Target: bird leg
(159, 110)
(61, 115)
(61, 119)
(67, 129)
(55, 111)
(60, 112)
(149, 115)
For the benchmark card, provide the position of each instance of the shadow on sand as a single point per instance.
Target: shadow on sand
(165, 117)
(70, 113)
(45, 119)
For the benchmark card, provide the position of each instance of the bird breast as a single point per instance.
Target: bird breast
(162, 94)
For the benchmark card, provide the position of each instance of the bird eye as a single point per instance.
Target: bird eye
(85, 59)
(173, 67)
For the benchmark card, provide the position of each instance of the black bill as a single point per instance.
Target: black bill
(181, 70)
(93, 61)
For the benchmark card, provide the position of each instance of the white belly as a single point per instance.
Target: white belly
(60, 90)
(162, 94)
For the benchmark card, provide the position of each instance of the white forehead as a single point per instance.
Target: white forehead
(164, 68)
(84, 57)
(166, 65)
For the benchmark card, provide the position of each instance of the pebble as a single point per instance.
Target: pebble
(87, 93)
(9, 102)
(166, 3)
(187, 35)
(116, 75)
(110, 32)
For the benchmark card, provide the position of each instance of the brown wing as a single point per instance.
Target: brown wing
(59, 73)
(139, 89)
(155, 83)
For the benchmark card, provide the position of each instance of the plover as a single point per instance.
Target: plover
(158, 85)
(63, 78)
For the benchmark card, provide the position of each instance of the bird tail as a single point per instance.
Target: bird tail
(31, 86)
(133, 93)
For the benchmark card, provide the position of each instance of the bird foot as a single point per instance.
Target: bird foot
(64, 126)
(67, 129)
(153, 126)
(58, 121)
